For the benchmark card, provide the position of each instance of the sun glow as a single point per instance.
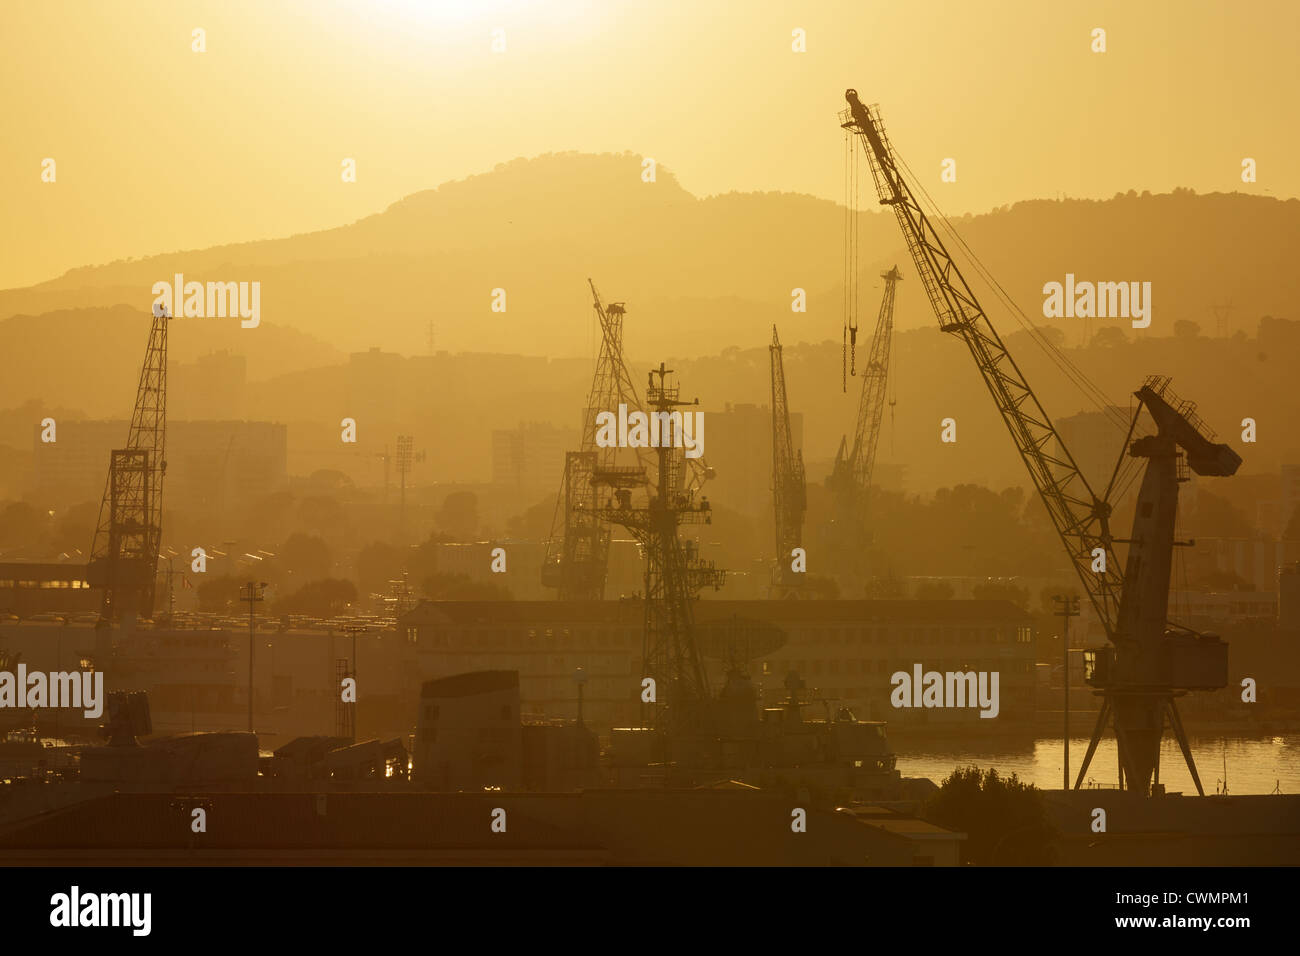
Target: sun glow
(450, 12)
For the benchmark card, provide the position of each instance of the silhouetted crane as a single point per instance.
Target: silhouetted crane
(1149, 662)
(789, 495)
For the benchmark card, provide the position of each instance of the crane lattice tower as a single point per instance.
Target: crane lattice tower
(674, 572)
(124, 555)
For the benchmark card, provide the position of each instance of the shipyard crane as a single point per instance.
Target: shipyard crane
(850, 478)
(674, 574)
(789, 495)
(124, 555)
(1149, 662)
(577, 550)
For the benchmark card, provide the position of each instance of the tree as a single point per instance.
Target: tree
(458, 515)
(1216, 516)
(1053, 336)
(888, 588)
(934, 591)
(1001, 591)
(268, 518)
(1219, 581)
(822, 586)
(1004, 819)
(75, 528)
(1109, 337)
(535, 522)
(306, 557)
(330, 482)
(218, 594)
(378, 563)
(327, 597)
(461, 587)
(1186, 329)
(320, 513)
(21, 525)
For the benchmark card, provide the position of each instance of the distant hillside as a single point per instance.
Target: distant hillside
(90, 357)
(699, 274)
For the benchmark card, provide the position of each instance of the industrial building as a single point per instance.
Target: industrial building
(211, 465)
(843, 650)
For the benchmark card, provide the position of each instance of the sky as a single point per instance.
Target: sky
(160, 148)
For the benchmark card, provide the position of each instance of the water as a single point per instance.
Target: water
(1254, 765)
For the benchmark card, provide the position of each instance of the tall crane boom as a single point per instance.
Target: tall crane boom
(577, 555)
(577, 551)
(789, 493)
(851, 474)
(124, 554)
(1081, 518)
(1149, 663)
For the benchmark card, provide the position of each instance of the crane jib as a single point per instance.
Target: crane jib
(1079, 516)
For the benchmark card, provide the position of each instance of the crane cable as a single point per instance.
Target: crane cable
(846, 277)
(855, 275)
(1077, 377)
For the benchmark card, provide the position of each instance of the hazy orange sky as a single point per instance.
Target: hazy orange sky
(159, 148)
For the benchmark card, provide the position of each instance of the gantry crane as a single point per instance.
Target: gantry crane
(1149, 662)
(789, 495)
(850, 478)
(124, 555)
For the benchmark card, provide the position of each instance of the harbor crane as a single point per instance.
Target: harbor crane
(675, 573)
(577, 550)
(850, 478)
(789, 493)
(128, 534)
(1149, 662)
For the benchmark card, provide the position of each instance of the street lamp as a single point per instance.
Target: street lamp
(1067, 607)
(252, 593)
(354, 630)
(580, 676)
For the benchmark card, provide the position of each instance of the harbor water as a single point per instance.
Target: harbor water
(1253, 765)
